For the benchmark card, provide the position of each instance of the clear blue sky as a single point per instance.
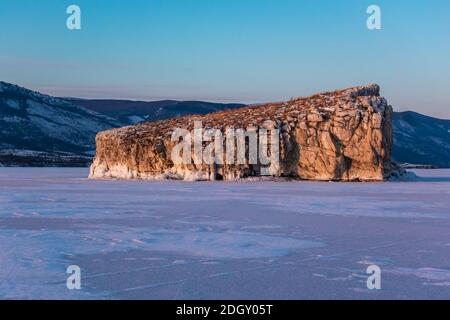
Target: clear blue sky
(229, 50)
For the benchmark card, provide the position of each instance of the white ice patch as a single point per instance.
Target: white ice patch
(406, 126)
(135, 119)
(33, 262)
(435, 277)
(368, 261)
(13, 119)
(383, 200)
(12, 104)
(32, 266)
(224, 245)
(22, 153)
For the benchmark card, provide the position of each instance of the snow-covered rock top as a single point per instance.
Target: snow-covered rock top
(340, 135)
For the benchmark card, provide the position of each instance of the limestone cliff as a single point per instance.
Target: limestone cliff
(344, 135)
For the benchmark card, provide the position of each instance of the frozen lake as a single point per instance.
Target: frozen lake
(247, 240)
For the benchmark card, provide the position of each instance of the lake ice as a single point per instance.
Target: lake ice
(222, 240)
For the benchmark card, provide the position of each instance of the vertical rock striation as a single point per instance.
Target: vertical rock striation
(344, 135)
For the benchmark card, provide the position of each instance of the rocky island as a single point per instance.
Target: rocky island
(344, 135)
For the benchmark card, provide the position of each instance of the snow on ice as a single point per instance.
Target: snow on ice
(239, 240)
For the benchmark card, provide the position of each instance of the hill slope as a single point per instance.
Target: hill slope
(132, 112)
(420, 139)
(37, 129)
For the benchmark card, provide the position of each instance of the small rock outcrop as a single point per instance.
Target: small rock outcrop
(345, 135)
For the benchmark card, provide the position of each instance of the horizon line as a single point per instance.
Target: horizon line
(45, 91)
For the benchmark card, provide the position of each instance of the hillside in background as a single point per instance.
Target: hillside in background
(37, 129)
(40, 130)
(132, 112)
(420, 139)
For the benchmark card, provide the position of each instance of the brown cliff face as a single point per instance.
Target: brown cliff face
(344, 135)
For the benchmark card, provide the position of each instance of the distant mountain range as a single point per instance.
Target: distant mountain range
(40, 130)
(131, 112)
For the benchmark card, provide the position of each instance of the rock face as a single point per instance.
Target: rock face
(344, 135)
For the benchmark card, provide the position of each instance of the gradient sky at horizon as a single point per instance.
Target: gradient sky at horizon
(229, 50)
